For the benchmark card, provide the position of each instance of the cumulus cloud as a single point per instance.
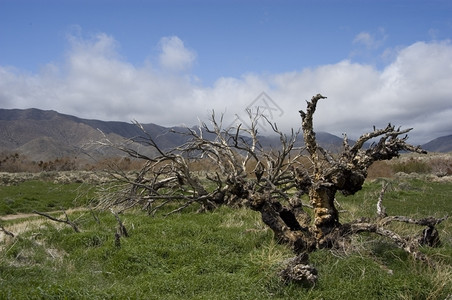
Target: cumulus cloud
(96, 82)
(174, 55)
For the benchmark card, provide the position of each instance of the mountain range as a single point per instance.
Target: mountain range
(43, 135)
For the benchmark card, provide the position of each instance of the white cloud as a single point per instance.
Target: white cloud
(175, 56)
(95, 82)
(364, 38)
(371, 41)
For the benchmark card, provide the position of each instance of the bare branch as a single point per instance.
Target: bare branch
(381, 210)
(122, 230)
(429, 221)
(308, 128)
(6, 231)
(409, 245)
(66, 221)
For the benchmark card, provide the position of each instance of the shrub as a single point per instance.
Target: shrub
(380, 169)
(412, 165)
(441, 165)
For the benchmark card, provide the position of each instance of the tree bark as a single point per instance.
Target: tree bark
(284, 223)
(326, 217)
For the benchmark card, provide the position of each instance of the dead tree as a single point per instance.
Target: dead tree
(272, 181)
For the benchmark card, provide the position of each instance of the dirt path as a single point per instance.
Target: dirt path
(26, 224)
(28, 215)
(18, 216)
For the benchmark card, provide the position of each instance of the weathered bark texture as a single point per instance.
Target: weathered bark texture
(326, 217)
(285, 222)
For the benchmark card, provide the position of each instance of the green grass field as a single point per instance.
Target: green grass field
(225, 254)
(42, 196)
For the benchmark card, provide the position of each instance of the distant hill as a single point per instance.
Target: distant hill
(47, 134)
(441, 144)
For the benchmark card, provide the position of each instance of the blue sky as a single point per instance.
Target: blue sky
(171, 62)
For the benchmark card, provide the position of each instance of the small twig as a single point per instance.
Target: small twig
(122, 231)
(96, 218)
(6, 231)
(67, 221)
(429, 221)
(381, 210)
(118, 240)
(186, 204)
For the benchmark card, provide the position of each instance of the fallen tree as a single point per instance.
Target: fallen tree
(271, 181)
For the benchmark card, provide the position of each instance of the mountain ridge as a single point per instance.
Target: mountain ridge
(440, 144)
(48, 134)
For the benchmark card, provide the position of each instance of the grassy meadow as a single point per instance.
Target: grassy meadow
(224, 254)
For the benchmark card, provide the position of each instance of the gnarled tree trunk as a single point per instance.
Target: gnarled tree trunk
(326, 216)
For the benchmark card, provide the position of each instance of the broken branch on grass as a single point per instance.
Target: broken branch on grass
(409, 244)
(66, 221)
(429, 221)
(121, 228)
(381, 210)
(6, 231)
